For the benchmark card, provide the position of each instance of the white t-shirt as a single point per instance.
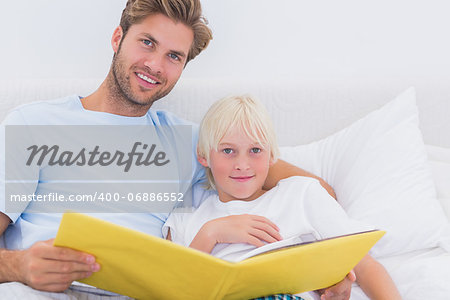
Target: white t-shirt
(297, 205)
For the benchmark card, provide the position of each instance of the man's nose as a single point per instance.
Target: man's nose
(155, 63)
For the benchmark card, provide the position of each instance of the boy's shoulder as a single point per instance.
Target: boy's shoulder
(298, 185)
(303, 181)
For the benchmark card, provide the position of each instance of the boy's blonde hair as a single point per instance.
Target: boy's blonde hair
(241, 112)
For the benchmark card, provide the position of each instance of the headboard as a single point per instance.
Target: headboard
(302, 111)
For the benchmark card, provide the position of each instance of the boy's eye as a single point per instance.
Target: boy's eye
(255, 150)
(227, 150)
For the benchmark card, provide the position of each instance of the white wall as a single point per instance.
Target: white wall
(347, 39)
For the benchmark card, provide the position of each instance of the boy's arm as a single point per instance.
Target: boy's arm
(249, 229)
(281, 170)
(374, 280)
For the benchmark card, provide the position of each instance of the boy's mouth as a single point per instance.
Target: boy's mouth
(242, 178)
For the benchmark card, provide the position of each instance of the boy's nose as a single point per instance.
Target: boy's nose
(241, 163)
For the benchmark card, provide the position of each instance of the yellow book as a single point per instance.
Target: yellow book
(147, 267)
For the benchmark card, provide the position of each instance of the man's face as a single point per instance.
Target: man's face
(150, 58)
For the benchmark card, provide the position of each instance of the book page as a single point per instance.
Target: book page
(294, 240)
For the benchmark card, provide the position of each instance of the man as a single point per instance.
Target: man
(152, 45)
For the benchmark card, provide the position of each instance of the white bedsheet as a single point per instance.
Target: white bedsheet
(419, 275)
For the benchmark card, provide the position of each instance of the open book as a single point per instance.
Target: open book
(147, 267)
(295, 240)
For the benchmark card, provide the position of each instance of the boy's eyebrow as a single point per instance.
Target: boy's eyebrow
(155, 41)
(256, 144)
(226, 144)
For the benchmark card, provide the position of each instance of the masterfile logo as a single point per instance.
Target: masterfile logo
(84, 157)
(98, 168)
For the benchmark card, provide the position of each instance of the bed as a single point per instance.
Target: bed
(384, 147)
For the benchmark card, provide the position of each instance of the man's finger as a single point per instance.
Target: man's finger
(66, 278)
(352, 276)
(62, 267)
(66, 254)
(340, 290)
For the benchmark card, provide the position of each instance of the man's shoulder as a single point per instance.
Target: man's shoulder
(39, 111)
(164, 117)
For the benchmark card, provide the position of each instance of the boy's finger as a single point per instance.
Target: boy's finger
(254, 241)
(267, 221)
(262, 235)
(269, 230)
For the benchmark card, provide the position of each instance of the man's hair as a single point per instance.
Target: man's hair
(188, 12)
(243, 113)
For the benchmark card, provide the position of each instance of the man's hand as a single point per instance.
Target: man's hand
(49, 268)
(339, 291)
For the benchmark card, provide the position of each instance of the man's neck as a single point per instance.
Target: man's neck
(107, 99)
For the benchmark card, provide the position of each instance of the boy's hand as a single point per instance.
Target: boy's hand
(339, 291)
(250, 229)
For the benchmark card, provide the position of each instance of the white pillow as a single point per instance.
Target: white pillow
(439, 159)
(378, 169)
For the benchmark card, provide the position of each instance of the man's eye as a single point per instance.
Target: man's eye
(227, 151)
(255, 150)
(148, 42)
(174, 56)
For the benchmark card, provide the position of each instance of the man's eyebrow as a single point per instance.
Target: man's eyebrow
(155, 41)
(151, 38)
(179, 53)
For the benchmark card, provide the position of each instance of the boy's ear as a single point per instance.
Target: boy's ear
(116, 38)
(202, 161)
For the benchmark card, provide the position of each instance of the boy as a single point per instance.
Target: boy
(237, 145)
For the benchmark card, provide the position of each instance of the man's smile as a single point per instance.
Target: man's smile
(147, 80)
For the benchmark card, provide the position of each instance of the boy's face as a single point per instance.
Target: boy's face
(239, 166)
(150, 58)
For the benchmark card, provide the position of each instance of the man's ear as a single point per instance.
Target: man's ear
(202, 161)
(116, 38)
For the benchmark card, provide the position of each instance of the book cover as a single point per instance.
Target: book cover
(147, 267)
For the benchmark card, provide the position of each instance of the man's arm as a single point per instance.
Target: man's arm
(374, 280)
(339, 291)
(281, 170)
(6, 260)
(44, 266)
